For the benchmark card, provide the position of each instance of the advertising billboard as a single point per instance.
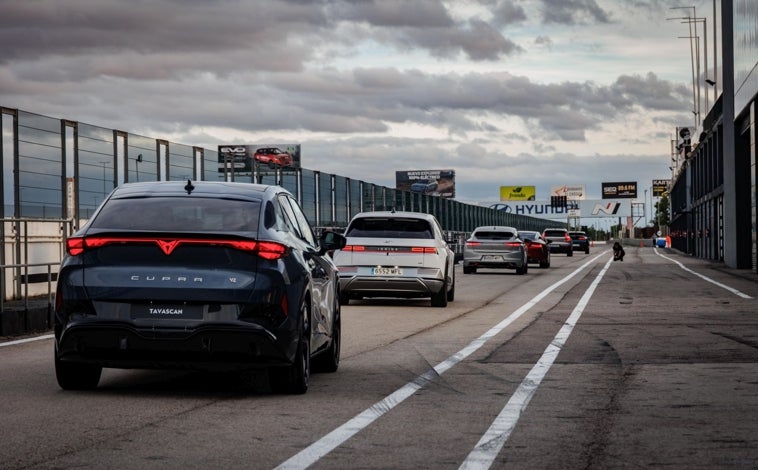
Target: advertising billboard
(517, 193)
(683, 142)
(240, 158)
(588, 208)
(574, 192)
(627, 190)
(431, 182)
(660, 187)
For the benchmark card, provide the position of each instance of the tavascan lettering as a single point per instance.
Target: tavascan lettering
(165, 311)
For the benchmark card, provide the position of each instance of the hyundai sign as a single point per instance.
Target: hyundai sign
(588, 208)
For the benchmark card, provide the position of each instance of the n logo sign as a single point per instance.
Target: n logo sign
(610, 208)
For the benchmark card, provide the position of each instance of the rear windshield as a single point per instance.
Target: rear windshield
(528, 235)
(554, 233)
(178, 214)
(491, 235)
(389, 228)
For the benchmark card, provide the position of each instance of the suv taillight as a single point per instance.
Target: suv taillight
(265, 249)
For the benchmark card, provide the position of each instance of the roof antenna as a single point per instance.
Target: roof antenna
(189, 187)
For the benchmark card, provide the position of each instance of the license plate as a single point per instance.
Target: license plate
(386, 271)
(492, 258)
(168, 311)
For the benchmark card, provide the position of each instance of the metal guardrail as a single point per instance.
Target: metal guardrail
(25, 269)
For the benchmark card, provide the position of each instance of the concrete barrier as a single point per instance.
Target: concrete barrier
(21, 318)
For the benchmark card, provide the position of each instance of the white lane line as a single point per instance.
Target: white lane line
(329, 442)
(26, 340)
(706, 278)
(486, 450)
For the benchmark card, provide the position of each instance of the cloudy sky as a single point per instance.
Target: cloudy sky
(505, 92)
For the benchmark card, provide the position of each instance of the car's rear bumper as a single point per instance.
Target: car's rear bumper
(505, 261)
(388, 286)
(216, 347)
(494, 264)
(560, 247)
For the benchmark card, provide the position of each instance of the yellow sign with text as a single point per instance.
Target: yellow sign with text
(517, 193)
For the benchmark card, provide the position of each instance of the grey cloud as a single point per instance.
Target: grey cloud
(361, 100)
(427, 24)
(77, 27)
(543, 41)
(508, 12)
(479, 40)
(573, 12)
(262, 37)
(395, 13)
(652, 93)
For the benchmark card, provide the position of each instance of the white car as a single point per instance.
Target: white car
(396, 254)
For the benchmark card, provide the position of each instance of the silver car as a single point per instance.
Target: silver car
(396, 254)
(495, 247)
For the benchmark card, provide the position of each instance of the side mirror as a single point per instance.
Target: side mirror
(330, 241)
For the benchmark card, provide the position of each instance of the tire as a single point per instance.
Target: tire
(440, 298)
(570, 253)
(344, 299)
(75, 376)
(451, 292)
(545, 263)
(294, 379)
(587, 251)
(329, 360)
(469, 270)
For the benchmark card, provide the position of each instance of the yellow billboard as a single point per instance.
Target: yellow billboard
(517, 193)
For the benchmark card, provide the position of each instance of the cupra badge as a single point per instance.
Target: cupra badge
(168, 245)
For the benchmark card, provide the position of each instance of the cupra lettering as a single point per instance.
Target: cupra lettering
(166, 278)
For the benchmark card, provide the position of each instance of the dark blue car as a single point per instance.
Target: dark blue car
(580, 241)
(424, 186)
(201, 275)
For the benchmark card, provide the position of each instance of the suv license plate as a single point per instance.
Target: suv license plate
(386, 271)
(167, 311)
(492, 258)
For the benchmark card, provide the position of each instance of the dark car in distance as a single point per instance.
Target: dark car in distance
(580, 241)
(213, 276)
(537, 248)
(424, 186)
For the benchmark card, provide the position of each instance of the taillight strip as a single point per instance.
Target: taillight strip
(391, 250)
(264, 249)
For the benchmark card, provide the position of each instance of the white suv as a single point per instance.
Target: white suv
(396, 254)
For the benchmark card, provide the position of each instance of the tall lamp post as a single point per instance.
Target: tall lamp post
(104, 177)
(137, 161)
(695, 59)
